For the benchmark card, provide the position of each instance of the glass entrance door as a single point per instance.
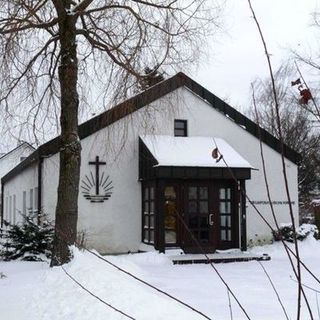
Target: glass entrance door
(210, 212)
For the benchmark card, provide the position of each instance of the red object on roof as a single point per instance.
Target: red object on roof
(305, 96)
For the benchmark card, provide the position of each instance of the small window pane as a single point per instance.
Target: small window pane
(146, 207)
(151, 193)
(193, 222)
(203, 192)
(204, 207)
(192, 207)
(222, 193)
(170, 236)
(152, 236)
(203, 222)
(192, 193)
(223, 234)
(225, 221)
(204, 236)
(151, 221)
(151, 207)
(179, 124)
(146, 193)
(225, 207)
(146, 221)
(146, 235)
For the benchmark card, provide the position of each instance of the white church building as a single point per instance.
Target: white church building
(147, 172)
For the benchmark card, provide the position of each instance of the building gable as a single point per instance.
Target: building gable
(145, 98)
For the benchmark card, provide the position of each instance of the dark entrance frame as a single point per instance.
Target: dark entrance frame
(151, 174)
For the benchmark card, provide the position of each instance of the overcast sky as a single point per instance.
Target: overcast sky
(238, 57)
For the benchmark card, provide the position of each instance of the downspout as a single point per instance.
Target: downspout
(40, 162)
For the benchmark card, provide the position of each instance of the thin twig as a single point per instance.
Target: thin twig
(283, 162)
(230, 306)
(95, 296)
(274, 289)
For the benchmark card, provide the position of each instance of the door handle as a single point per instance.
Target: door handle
(211, 219)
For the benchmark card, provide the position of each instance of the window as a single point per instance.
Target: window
(24, 203)
(31, 203)
(7, 209)
(225, 214)
(10, 210)
(14, 209)
(36, 209)
(180, 128)
(148, 223)
(170, 215)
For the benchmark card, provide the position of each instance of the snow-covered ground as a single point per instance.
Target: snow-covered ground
(31, 290)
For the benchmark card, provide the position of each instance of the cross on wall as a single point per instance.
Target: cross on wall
(97, 163)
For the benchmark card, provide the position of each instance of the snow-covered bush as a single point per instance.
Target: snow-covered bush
(286, 232)
(26, 241)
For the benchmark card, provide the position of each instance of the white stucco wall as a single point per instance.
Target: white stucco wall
(14, 204)
(9, 160)
(115, 225)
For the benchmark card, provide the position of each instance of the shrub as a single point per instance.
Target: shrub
(286, 232)
(27, 241)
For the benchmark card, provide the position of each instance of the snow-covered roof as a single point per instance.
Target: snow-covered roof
(192, 152)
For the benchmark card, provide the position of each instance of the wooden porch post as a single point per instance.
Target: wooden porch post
(160, 242)
(243, 215)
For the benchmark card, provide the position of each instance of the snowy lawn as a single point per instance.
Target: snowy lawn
(32, 290)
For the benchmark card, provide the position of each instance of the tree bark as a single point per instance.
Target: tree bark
(70, 152)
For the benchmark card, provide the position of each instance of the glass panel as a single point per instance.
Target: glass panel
(151, 206)
(146, 193)
(203, 207)
(225, 221)
(146, 221)
(225, 207)
(146, 207)
(203, 193)
(151, 221)
(170, 236)
(179, 124)
(146, 235)
(204, 236)
(228, 235)
(223, 235)
(228, 191)
(169, 193)
(192, 207)
(151, 193)
(196, 234)
(170, 219)
(193, 222)
(222, 193)
(192, 193)
(151, 236)
(203, 222)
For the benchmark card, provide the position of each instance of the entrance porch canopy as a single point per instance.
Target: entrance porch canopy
(189, 158)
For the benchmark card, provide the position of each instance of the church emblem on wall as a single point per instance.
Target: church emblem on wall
(96, 186)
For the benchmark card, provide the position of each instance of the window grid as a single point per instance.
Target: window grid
(225, 214)
(148, 215)
(180, 128)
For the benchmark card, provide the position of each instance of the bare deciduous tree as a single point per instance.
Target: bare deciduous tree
(296, 123)
(50, 49)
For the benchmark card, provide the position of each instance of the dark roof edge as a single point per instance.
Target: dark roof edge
(146, 97)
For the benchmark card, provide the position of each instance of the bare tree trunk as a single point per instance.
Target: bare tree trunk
(70, 152)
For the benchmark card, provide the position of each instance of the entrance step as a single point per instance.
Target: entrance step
(218, 258)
